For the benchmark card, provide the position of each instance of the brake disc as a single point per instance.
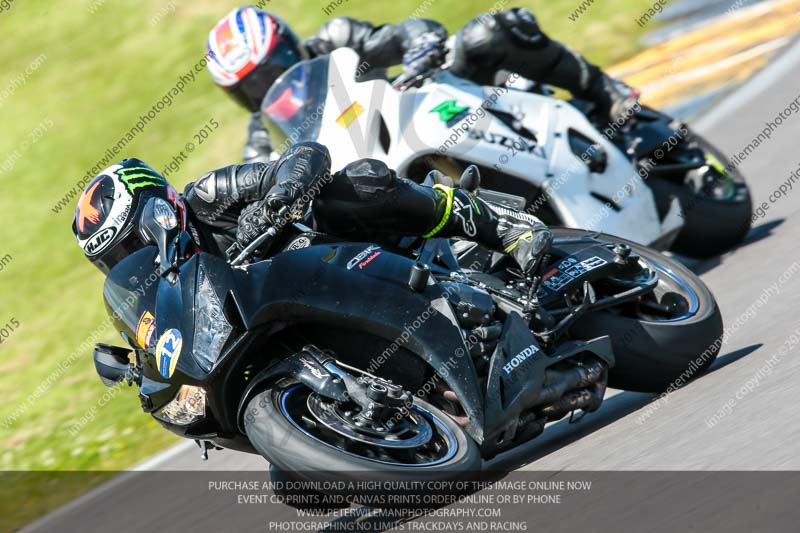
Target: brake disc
(410, 432)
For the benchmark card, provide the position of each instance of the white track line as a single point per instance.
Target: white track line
(759, 83)
(166, 456)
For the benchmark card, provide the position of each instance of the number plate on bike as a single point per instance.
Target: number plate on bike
(570, 269)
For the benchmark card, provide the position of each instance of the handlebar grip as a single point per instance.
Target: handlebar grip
(283, 214)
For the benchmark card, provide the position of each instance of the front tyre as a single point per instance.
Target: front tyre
(287, 429)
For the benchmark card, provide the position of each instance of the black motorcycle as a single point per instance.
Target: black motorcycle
(327, 355)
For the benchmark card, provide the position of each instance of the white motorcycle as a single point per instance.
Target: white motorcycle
(651, 180)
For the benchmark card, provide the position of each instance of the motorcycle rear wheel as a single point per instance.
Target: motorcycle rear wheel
(712, 224)
(654, 353)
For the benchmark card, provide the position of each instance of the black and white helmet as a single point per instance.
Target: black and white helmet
(106, 221)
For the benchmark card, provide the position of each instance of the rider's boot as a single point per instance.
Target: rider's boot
(522, 236)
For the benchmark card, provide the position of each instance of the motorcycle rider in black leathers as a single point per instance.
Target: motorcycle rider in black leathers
(507, 41)
(366, 201)
(233, 205)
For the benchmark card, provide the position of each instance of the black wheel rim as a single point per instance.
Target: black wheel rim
(438, 448)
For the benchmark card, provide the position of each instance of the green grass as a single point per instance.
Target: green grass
(101, 72)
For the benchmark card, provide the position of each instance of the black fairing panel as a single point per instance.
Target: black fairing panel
(652, 135)
(362, 287)
(133, 287)
(517, 374)
(130, 289)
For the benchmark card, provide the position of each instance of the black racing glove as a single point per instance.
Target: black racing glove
(298, 176)
(426, 52)
(254, 220)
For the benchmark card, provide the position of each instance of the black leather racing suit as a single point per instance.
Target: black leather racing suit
(365, 201)
(509, 40)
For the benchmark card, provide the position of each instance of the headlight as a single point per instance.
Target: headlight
(188, 406)
(211, 327)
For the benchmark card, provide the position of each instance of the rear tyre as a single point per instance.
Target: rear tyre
(654, 354)
(716, 205)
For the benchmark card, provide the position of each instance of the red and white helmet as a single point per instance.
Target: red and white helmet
(248, 50)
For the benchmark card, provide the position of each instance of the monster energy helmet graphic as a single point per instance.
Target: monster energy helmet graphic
(107, 210)
(139, 176)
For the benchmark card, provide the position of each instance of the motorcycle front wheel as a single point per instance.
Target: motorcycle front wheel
(285, 425)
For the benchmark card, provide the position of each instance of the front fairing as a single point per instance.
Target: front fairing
(130, 291)
(352, 285)
(138, 299)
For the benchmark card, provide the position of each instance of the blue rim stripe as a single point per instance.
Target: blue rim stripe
(451, 440)
(694, 301)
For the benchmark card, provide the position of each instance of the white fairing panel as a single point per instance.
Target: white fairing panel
(448, 116)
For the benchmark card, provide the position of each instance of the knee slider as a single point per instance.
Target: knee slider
(522, 27)
(370, 178)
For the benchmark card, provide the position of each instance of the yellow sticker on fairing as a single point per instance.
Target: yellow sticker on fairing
(145, 329)
(168, 351)
(350, 114)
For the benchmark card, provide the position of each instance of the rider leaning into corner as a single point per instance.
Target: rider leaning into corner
(251, 48)
(230, 207)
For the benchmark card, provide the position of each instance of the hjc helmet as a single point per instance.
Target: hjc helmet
(106, 221)
(248, 50)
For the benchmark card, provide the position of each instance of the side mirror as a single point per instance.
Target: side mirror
(159, 226)
(111, 363)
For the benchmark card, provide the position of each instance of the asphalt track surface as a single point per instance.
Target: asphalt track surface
(752, 388)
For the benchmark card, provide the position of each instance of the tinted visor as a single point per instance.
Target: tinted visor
(107, 260)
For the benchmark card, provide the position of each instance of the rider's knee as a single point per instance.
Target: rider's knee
(369, 178)
(522, 28)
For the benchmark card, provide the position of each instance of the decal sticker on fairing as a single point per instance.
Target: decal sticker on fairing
(520, 144)
(168, 351)
(364, 258)
(520, 358)
(450, 112)
(569, 269)
(350, 114)
(145, 329)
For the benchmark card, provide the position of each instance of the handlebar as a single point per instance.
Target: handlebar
(252, 247)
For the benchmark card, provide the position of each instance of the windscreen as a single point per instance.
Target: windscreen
(130, 292)
(292, 109)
